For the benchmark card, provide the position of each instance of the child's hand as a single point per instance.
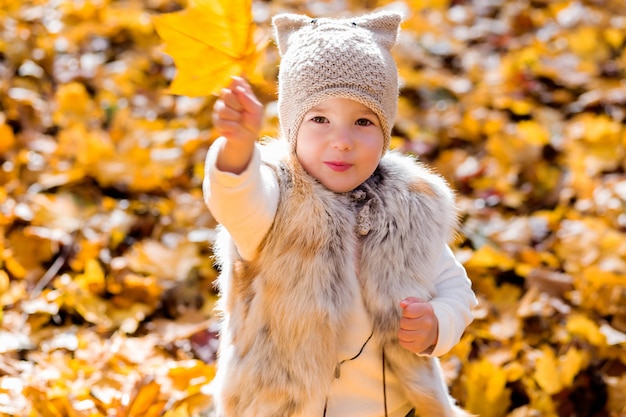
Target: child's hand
(237, 116)
(419, 329)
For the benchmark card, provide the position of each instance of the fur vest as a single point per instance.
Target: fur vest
(283, 312)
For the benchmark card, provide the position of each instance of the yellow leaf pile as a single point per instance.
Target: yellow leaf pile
(106, 265)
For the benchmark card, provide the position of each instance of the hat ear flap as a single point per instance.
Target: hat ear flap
(285, 25)
(384, 25)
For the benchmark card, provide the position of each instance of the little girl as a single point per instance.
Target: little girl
(337, 288)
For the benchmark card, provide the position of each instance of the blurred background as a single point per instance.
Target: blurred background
(106, 273)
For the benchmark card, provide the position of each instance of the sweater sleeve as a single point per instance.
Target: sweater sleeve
(244, 204)
(453, 304)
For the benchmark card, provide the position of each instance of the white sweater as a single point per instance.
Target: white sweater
(245, 205)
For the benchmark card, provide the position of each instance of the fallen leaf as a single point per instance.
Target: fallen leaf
(145, 399)
(487, 394)
(210, 41)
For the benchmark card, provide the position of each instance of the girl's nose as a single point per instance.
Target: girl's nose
(342, 139)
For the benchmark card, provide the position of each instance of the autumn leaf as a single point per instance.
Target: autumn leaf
(553, 374)
(585, 328)
(7, 139)
(489, 257)
(210, 41)
(486, 389)
(145, 401)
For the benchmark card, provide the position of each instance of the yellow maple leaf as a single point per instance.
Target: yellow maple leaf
(93, 279)
(553, 373)
(210, 41)
(547, 373)
(584, 327)
(487, 394)
(488, 256)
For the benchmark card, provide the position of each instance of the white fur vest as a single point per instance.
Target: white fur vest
(283, 312)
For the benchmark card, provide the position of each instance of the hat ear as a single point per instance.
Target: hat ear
(384, 25)
(285, 25)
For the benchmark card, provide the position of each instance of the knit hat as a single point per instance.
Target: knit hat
(336, 58)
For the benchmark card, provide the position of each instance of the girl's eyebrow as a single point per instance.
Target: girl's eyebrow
(319, 107)
(361, 112)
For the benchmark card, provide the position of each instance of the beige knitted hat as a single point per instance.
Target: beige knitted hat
(336, 58)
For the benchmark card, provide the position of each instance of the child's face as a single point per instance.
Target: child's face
(340, 143)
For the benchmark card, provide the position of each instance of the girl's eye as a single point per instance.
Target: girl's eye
(363, 122)
(318, 119)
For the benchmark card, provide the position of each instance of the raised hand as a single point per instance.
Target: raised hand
(237, 116)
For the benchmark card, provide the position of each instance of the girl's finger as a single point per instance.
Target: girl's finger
(410, 300)
(415, 309)
(224, 112)
(248, 100)
(240, 82)
(231, 99)
(410, 324)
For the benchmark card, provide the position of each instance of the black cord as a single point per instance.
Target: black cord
(338, 372)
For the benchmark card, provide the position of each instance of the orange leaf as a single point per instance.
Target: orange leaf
(7, 138)
(210, 41)
(147, 395)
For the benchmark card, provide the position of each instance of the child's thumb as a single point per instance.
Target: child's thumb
(410, 300)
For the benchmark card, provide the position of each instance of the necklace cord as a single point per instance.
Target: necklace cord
(337, 372)
(360, 351)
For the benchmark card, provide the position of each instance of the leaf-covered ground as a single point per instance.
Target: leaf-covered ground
(105, 243)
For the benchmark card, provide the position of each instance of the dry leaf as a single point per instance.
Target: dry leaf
(145, 400)
(210, 41)
(487, 394)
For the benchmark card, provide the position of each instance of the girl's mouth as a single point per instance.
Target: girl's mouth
(338, 166)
